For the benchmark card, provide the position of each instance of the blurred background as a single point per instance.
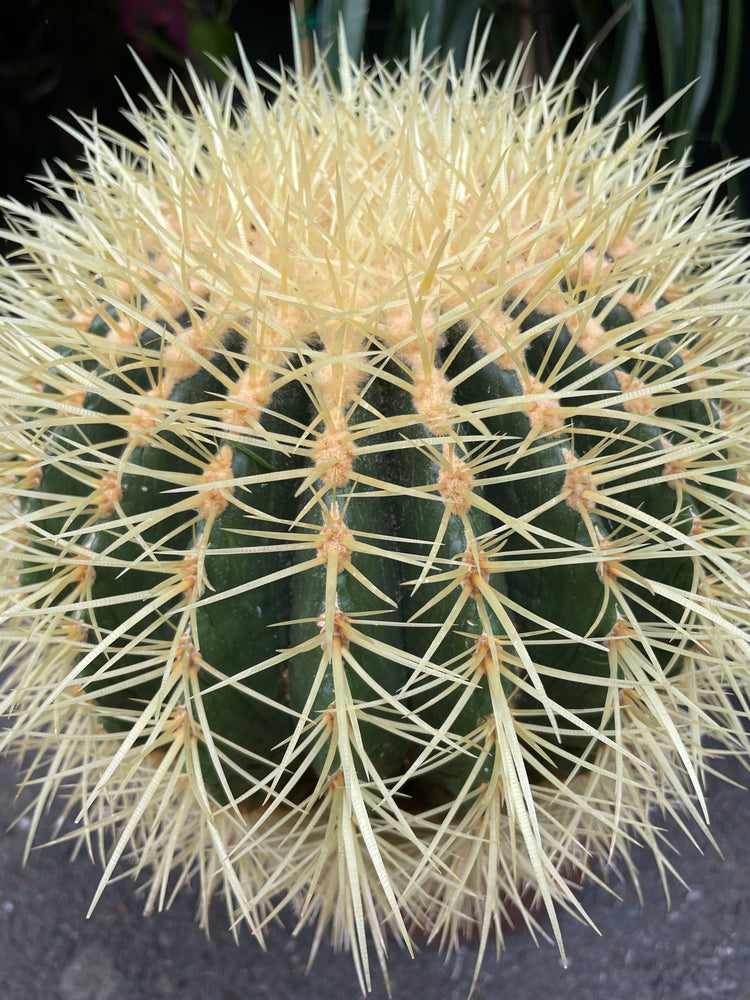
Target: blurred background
(59, 57)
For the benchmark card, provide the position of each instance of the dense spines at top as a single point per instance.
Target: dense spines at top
(375, 480)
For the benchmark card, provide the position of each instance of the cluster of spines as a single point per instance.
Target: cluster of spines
(205, 277)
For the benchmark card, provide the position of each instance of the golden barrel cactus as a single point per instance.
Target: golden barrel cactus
(374, 495)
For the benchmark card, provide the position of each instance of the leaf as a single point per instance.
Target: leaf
(633, 35)
(456, 37)
(670, 27)
(732, 57)
(352, 14)
(704, 20)
(435, 15)
(209, 38)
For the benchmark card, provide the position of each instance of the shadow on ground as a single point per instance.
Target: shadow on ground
(697, 948)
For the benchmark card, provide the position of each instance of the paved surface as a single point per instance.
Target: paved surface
(698, 948)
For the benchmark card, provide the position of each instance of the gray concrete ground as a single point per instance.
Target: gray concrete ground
(698, 948)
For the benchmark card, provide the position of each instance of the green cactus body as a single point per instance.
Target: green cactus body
(375, 498)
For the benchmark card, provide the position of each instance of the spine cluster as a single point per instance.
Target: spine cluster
(374, 495)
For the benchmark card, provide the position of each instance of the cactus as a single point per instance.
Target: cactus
(374, 496)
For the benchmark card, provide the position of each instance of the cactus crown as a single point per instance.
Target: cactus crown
(374, 497)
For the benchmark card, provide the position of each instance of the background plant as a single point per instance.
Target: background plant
(659, 46)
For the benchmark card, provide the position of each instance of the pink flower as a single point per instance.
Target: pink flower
(144, 21)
